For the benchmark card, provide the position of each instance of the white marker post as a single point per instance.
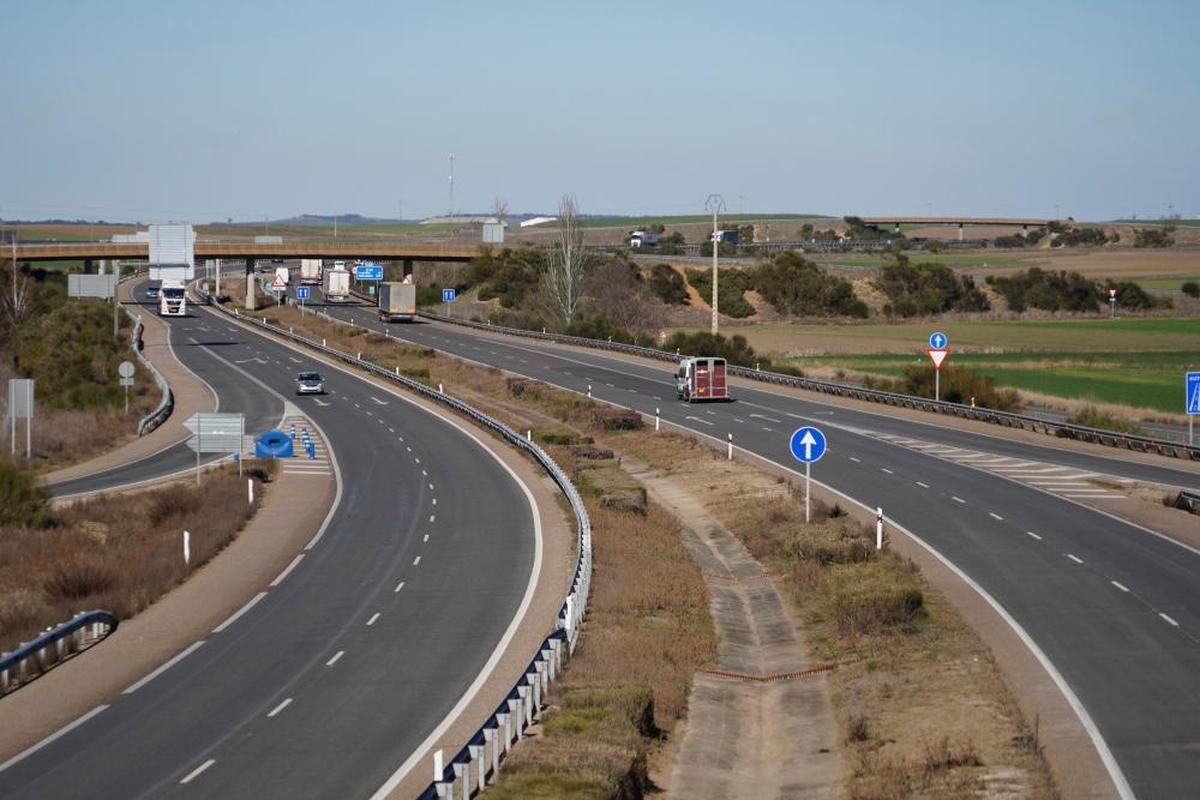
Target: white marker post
(807, 445)
(187, 548)
(730, 456)
(879, 528)
(656, 419)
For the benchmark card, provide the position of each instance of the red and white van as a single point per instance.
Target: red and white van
(701, 379)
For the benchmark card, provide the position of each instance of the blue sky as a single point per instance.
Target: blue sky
(206, 110)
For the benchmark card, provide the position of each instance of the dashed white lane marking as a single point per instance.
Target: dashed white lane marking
(417, 460)
(435, 501)
(406, 447)
(196, 772)
(373, 619)
(416, 561)
(1119, 586)
(234, 616)
(399, 586)
(279, 707)
(923, 485)
(426, 538)
(1034, 535)
(193, 647)
(1169, 621)
(885, 469)
(336, 657)
(391, 429)
(1075, 558)
(431, 517)
(295, 360)
(430, 485)
(423, 472)
(957, 499)
(995, 516)
(286, 570)
(856, 460)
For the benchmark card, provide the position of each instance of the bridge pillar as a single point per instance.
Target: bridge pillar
(408, 269)
(897, 228)
(87, 266)
(960, 233)
(249, 284)
(1024, 229)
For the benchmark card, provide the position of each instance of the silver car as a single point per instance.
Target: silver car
(310, 383)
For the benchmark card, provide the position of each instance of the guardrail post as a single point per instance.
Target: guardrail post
(491, 740)
(505, 732)
(543, 678)
(514, 709)
(477, 752)
(459, 769)
(526, 695)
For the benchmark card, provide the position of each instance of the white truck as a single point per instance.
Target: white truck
(335, 285)
(397, 302)
(310, 271)
(172, 299)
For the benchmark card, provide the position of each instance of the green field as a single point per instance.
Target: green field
(726, 219)
(969, 260)
(1140, 380)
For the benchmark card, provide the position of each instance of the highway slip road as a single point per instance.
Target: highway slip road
(194, 339)
(328, 680)
(1112, 607)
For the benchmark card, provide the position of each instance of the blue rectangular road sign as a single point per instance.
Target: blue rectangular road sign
(302, 292)
(448, 295)
(1192, 398)
(368, 272)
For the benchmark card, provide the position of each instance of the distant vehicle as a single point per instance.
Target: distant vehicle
(643, 239)
(172, 299)
(339, 265)
(276, 260)
(310, 271)
(335, 285)
(730, 236)
(310, 383)
(701, 379)
(397, 302)
(152, 292)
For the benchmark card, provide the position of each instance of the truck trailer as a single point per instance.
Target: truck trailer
(397, 302)
(335, 285)
(701, 379)
(310, 271)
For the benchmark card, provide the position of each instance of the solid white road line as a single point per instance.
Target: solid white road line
(191, 775)
(373, 619)
(287, 570)
(279, 707)
(1075, 558)
(193, 647)
(335, 658)
(1119, 586)
(1034, 535)
(63, 731)
(233, 617)
(1170, 621)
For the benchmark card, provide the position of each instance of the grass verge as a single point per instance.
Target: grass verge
(117, 552)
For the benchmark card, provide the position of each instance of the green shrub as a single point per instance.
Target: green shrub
(1092, 417)
(1131, 296)
(921, 289)
(1049, 291)
(1154, 237)
(1191, 289)
(668, 285)
(732, 296)
(958, 385)
(798, 287)
(22, 498)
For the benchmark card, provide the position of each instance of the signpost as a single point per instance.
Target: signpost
(216, 433)
(1192, 403)
(448, 297)
(125, 370)
(302, 293)
(368, 272)
(807, 445)
(20, 405)
(1112, 303)
(938, 350)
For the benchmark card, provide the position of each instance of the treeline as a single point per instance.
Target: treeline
(923, 289)
(1069, 291)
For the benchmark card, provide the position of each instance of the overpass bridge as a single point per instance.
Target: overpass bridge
(1025, 223)
(140, 251)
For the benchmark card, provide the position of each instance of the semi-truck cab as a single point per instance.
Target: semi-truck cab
(172, 299)
(701, 379)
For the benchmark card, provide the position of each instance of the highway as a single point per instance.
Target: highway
(1111, 606)
(324, 683)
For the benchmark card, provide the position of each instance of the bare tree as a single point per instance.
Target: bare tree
(500, 209)
(16, 299)
(567, 261)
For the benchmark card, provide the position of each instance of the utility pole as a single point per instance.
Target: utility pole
(451, 215)
(716, 204)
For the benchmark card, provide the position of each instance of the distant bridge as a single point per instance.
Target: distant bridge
(1025, 223)
(140, 251)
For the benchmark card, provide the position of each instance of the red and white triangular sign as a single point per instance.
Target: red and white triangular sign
(938, 356)
(278, 284)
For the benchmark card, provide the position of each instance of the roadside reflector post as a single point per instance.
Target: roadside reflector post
(323, 343)
(529, 435)
(879, 528)
(440, 389)
(730, 454)
(250, 486)
(187, 548)
(359, 356)
(397, 371)
(589, 390)
(756, 366)
(656, 418)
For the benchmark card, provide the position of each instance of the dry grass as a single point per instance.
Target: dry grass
(118, 552)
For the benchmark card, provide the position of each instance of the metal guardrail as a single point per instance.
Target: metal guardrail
(479, 759)
(167, 402)
(1144, 444)
(52, 647)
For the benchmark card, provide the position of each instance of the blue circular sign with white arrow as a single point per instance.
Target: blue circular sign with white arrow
(938, 341)
(807, 445)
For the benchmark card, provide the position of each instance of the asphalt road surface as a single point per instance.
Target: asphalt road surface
(325, 683)
(1115, 608)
